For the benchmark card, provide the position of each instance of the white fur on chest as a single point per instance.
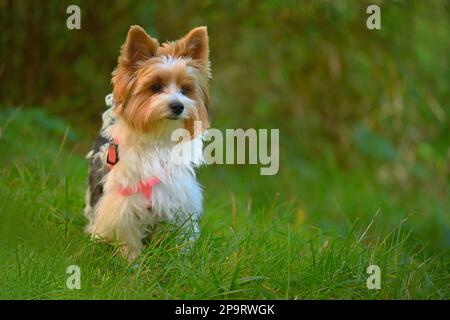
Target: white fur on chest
(177, 196)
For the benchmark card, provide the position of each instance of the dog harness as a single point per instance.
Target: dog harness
(144, 186)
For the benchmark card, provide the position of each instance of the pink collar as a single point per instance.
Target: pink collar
(144, 186)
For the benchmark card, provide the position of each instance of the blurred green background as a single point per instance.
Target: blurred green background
(364, 115)
(311, 68)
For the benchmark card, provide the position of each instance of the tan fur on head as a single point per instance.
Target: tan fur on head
(181, 68)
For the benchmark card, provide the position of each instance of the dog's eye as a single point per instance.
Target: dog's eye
(185, 90)
(157, 87)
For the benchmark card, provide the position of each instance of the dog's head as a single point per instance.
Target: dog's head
(154, 84)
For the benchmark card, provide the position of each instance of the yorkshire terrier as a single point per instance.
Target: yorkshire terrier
(133, 183)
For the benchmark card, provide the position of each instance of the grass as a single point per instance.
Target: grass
(308, 233)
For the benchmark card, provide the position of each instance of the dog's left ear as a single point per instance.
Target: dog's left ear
(196, 44)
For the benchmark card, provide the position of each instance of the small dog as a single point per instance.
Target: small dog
(133, 184)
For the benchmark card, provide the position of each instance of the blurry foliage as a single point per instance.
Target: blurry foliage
(372, 144)
(337, 90)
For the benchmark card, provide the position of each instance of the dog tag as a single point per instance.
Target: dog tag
(112, 157)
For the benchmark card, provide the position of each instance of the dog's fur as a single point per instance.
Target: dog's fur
(147, 82)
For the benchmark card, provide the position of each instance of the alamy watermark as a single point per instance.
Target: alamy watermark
(73, 21)
(374, 20)
(374, 280)
(73, 280)
(236, 146)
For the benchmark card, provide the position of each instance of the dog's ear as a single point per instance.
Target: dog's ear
(138, 47)
(196, 44)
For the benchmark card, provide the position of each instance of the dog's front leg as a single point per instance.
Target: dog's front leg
(115, 219)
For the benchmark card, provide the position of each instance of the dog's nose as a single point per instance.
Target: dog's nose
(176, 107)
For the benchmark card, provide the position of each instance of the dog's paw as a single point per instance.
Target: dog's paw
(129, 253)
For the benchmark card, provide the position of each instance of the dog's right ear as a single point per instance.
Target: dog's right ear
(138, 47)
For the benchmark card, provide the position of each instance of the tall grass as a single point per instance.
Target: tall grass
(257, 241)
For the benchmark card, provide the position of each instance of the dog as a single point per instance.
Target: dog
(133, 184)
